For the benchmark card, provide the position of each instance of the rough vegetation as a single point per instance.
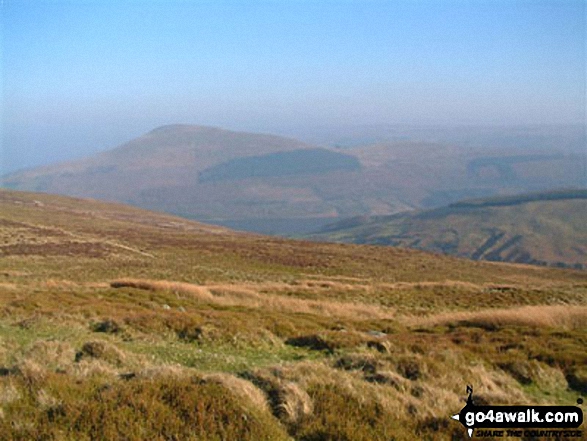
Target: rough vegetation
(178, 330)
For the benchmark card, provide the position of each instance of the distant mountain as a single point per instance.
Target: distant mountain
(541, 228)
(277, 185)
(169, 155)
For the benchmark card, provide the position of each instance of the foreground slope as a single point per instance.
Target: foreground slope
(541, 228)
(116, 323)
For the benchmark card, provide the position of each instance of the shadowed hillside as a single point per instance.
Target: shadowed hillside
(538, 228)
(295, 162)
(118, 323)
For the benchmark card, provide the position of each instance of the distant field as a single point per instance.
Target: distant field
(118, 323)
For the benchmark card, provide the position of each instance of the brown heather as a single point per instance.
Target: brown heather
(116, 323)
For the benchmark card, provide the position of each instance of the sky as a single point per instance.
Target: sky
(83, 76)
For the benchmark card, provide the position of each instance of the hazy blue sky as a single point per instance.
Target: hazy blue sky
(78, 76)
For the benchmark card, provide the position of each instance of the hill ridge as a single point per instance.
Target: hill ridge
(554, 195)
(537, 228)
(165, 170)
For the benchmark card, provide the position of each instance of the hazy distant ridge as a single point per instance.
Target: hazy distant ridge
(277, 185)
(521, 199)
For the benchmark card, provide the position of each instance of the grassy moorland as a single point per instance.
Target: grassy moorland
(116, 323)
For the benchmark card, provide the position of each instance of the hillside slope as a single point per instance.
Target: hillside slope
(278, 185)
(542, 228)
(46, 226)
(118, 323)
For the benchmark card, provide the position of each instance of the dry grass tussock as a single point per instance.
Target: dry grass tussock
(431, 394)
(330, 285)
(162, 371)
(248, 296)
(59, 284)
(94, 357)
(294, 403)
(429, 400)
(288, 400)
(495, 386)
(196, 291)
(554, 316)
(8, 392)
(421, 285)
(241, 388)
(50, 354)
